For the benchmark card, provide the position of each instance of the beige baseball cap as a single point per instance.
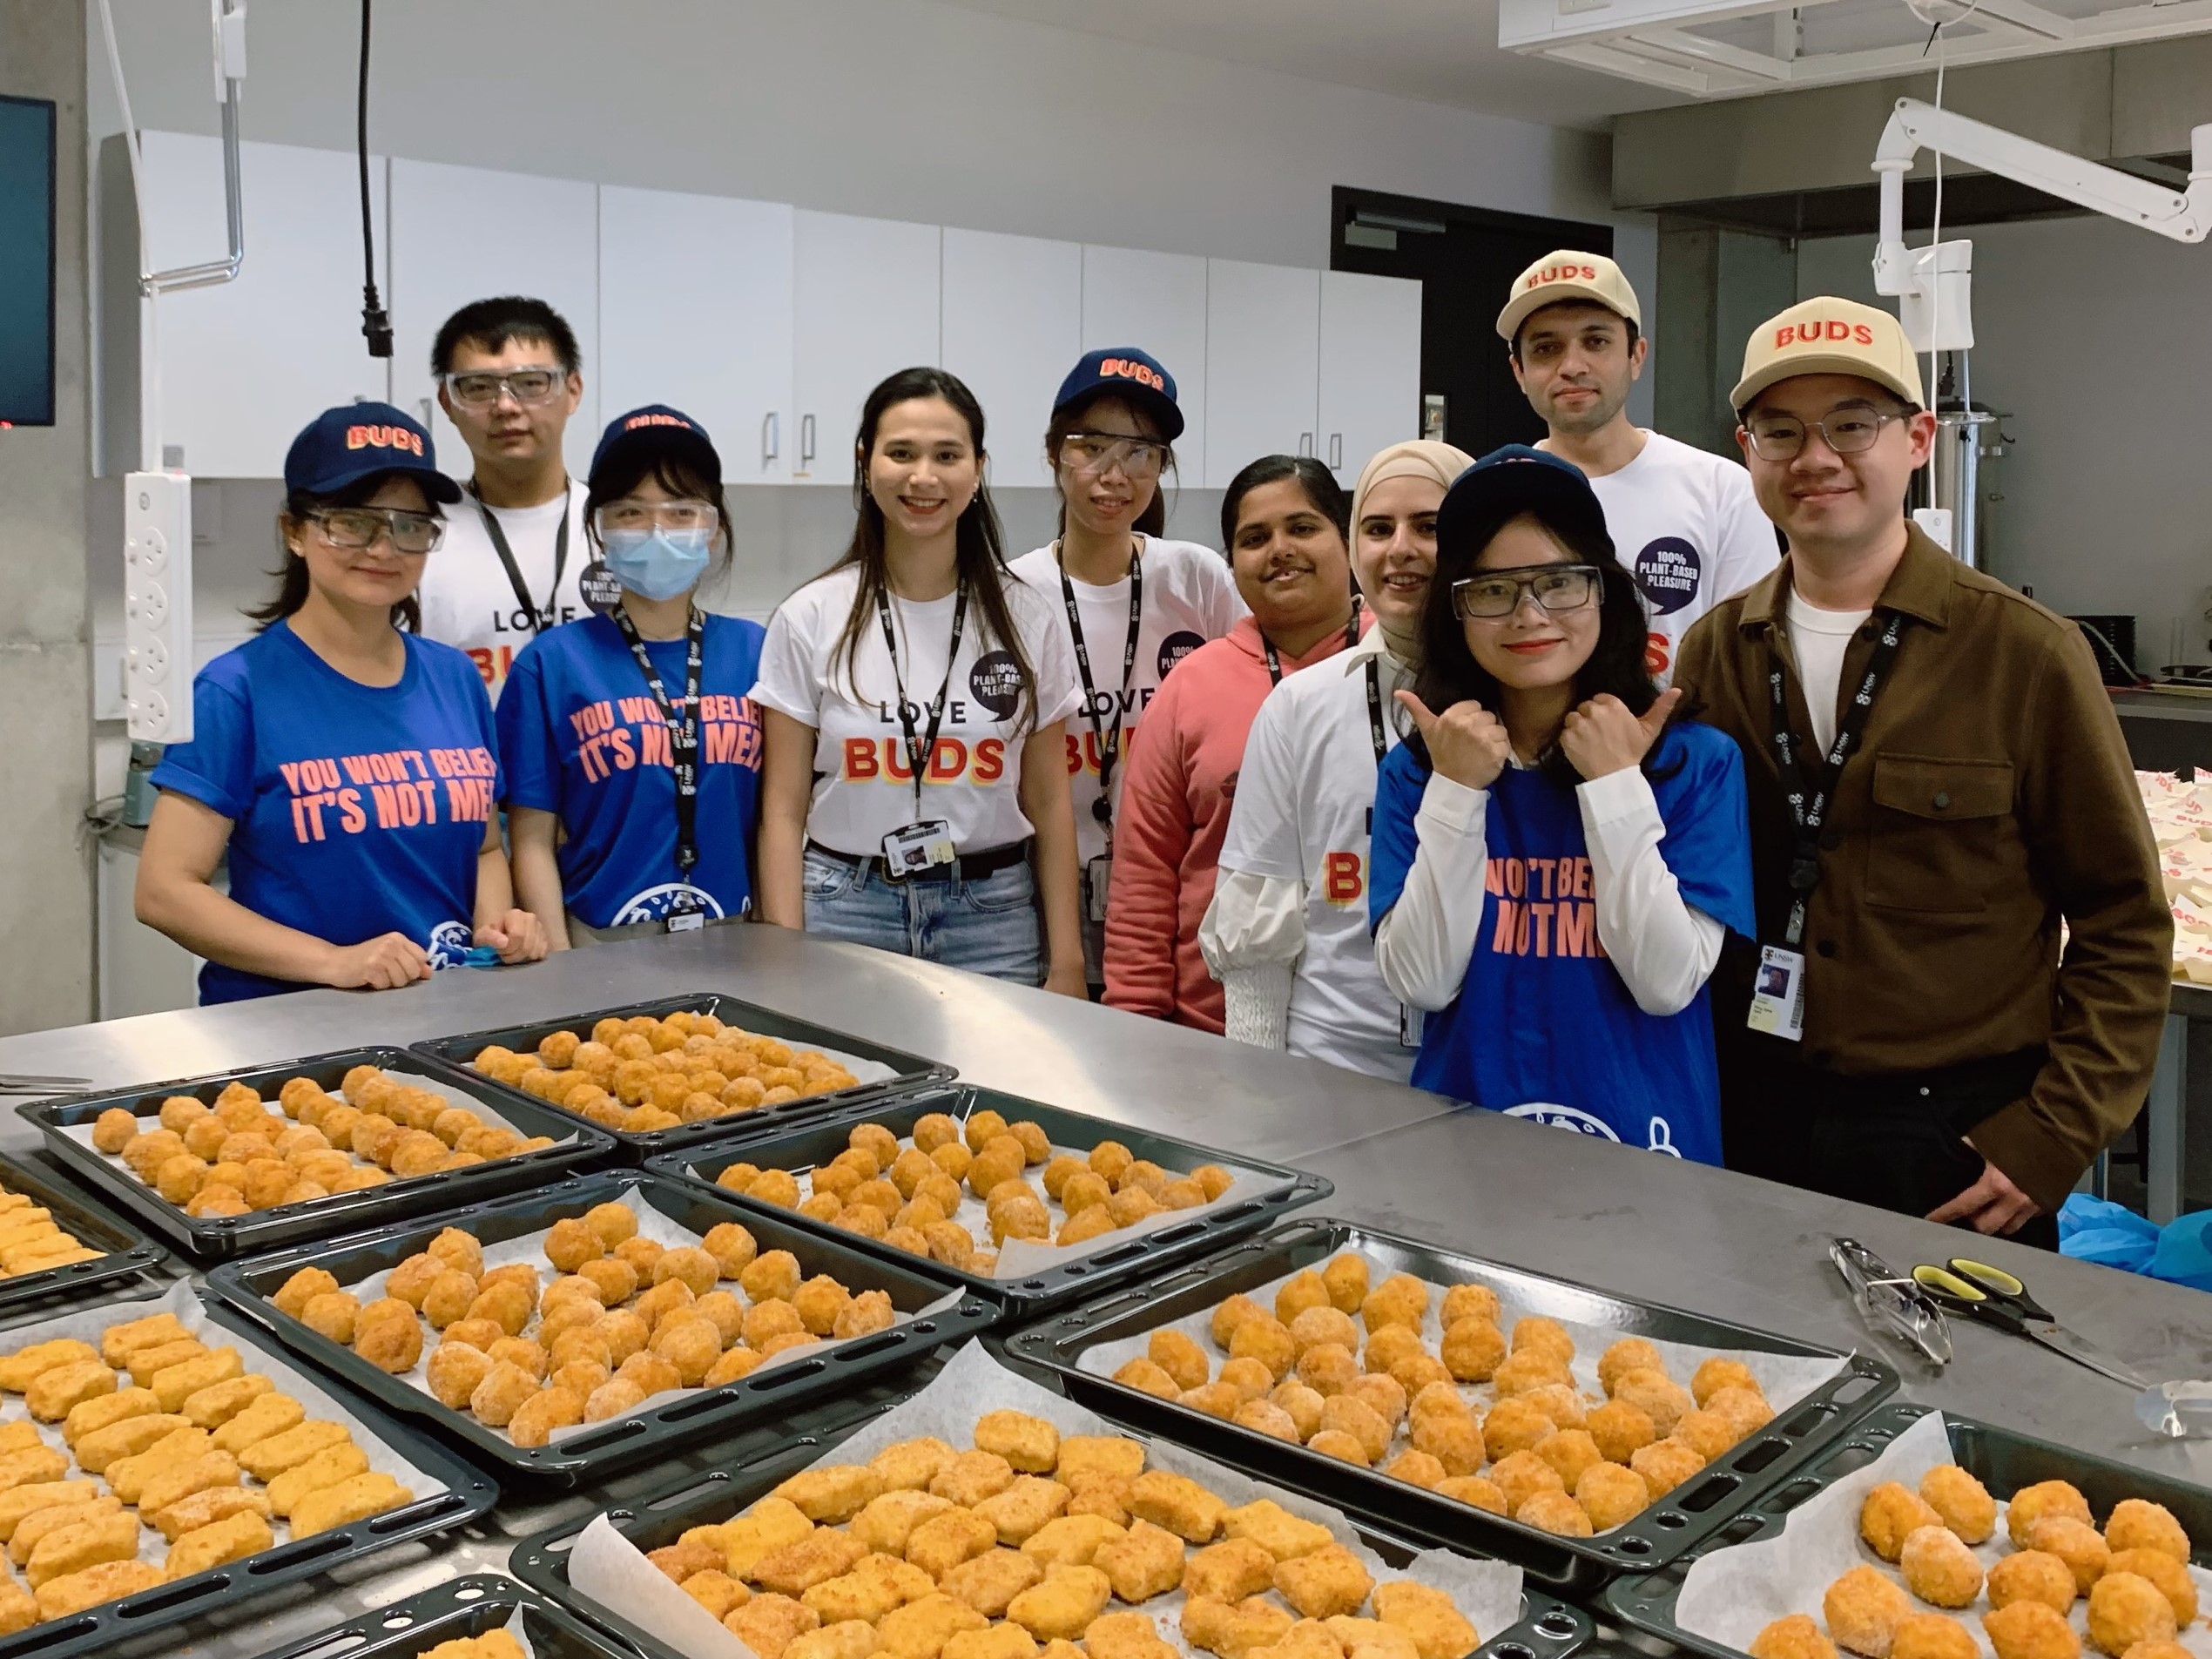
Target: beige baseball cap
(1828, 336)
(1566, 274)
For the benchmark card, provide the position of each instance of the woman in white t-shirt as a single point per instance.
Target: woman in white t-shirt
(1286, 934)
(915, 698)
(1130, 604)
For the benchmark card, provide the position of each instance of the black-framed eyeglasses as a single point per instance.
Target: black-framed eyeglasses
(479, 388)
(1494, 595)
(1093, 453)
(356, 528)
(1852, 430)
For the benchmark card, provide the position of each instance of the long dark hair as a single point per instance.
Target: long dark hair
(672, 473)
(1317, 483)
(978, 541)
(1449, 673)
(1153, 521)
(291, 576)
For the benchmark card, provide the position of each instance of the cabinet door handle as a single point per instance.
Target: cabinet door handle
(1306, 443)
(1336, 452)
(806, 439)
(771, 437)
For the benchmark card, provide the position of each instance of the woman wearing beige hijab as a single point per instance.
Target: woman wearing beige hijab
(1286, 934)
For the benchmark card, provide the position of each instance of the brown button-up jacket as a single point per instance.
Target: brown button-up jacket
(1992, 798)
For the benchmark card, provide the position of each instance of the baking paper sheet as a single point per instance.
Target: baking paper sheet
(1785, 1379)
(153, 1548)
(1732, 1595)
(530, 1249)
(606, 1567)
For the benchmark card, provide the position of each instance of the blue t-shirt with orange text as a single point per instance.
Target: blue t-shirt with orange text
(1543, 1026)
(356, 810)
(583, 737)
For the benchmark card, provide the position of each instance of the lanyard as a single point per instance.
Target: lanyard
(1108, 739)
(682, 735)
(920, 750)
(1375, 710)
(1275, 663)
(1809, 808)
(538, 617)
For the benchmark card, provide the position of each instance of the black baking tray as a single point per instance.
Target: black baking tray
(704, 1415)
(1676, 1523)
(212, 1237)
(467, 1496)
(125, 1254)
(2000, 1459)
(914, 1071)
(1116, 1257)
(464, 1607)
(1547, 1629)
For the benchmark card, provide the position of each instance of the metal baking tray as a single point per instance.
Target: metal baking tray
(217, 1237)
(704, 1415)
(125, 1255)
(1547, 1629)
(1664, 1531)
(914, 1071)
(467, 1496)
(1116, 1257)
(464, 1607)
(2000, 1459)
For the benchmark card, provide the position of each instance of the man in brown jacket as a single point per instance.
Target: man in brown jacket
(1937, 782)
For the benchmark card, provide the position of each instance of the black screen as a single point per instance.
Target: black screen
(26, 262)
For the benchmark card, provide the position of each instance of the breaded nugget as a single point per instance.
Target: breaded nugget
(127, 1439)
(2033, 1575)
(106, 1410)
(326, 1469)
(31, 1466)
(1233, 1632)
(884, 1524)
(1275, 1530)
(2125, 1609)
(833, 1492)
(1399, 1300)
(204, 1508)
(970, 1477)
(173, 1384)
(127, 1476)
(215, 1405)
(767, 1527)
(1307, 1639)
(1145, 1562)
(1082, 1454)
(943, 1541)
(988, 1582)
(2030, 1630)
(1889, 1513)
(793, 1570)
(1024, 1507)
(179, 1480)
(1126, 1636)
(1938, 1567)
(1029, 1444)
(1180, 1504)
(920, 1629)
(266, 1459)
(1611, 1494)
(1071, 1541)
(1231, 1570)
(20, 1436)
(1932, 1636)
(909, 1466)
(872, 1588)
(1105, 1496)
(350, 1500)
(268, 1416)
(110, 1581)
(2039, 1502)
(2171, 1577)
(999, 1641)
(239, 1534)
(1181, 1357)
(1063, 1605)
(1556, 1513)
(1863, 1609)
(2136, 1523)
(1327, 1581)
(713, 1589)
(2075, 1542)
(769, 1624)
(850, 1639)
(99, 1538)
(43, 1498)
(18, 1368)
(1794, 1637)
(1665, 1465)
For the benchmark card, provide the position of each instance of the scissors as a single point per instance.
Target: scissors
(1994, 1297)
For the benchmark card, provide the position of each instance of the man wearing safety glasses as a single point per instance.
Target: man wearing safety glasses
(508, 378)
(1907, 1031)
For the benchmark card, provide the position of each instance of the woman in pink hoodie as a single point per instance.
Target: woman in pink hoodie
(1283, 521)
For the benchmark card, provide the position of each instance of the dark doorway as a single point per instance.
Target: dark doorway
(1465, 259)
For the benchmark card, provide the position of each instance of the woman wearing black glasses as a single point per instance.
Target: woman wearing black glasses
(1556, 856)
(346, 768)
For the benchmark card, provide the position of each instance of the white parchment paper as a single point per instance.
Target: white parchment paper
(1732, 1595)
(609, 1568)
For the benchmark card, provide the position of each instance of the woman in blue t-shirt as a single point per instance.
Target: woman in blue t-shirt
(632, 743)
(1557, 856)
(346, 768)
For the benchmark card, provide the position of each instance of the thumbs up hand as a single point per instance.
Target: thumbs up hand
(1602, 737)
(1467, 742)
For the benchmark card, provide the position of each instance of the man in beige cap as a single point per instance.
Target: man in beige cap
(1937, 781)
(1683, 522)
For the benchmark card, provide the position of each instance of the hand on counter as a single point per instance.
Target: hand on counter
(1992, 1205)
(517, 935)
(383, 963)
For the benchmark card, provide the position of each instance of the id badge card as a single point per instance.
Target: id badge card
(1410, 1022)
(1097, 878)
(1779, 994)
(917, 847)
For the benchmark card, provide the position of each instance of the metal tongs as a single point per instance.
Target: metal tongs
(1891, 1301)
(26, 1082)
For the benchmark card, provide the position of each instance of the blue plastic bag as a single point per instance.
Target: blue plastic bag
(2096, 1229)
(2184, 1252)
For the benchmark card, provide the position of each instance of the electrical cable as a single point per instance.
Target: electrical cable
(375, 325)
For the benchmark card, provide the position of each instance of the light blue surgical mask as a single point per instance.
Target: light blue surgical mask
(659, 563)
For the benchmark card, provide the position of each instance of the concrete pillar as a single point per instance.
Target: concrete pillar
(1714, 286)
(46, 911)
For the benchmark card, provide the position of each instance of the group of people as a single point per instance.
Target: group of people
(1704, 806)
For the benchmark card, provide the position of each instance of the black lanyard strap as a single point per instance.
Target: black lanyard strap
(1809, 805)
(1109, 738)
(920, 748)
(1375, 728)
(1275, 663)
(683, 734)
(539, 618)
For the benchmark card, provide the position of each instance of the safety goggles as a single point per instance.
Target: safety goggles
(477, 388)
(1093, 453)
(1495, 595)
(628, 514)
(357, 528)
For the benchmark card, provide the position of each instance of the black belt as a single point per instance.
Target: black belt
(969, 867)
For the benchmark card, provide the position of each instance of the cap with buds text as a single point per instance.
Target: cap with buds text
(1564, 275)
(1828, 336)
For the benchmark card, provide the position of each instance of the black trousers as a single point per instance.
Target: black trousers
(1895, 1143)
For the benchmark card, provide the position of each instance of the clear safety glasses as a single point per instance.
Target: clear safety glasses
(356, 528)
(480, 388)
(632, 515)
(1891, 1301)
(1092, 453)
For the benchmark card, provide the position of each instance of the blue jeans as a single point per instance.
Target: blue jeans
(987, 927)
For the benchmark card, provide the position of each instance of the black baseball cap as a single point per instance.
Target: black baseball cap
(1124, 372)
(660, 429)
(340, 447)
(1509, 481)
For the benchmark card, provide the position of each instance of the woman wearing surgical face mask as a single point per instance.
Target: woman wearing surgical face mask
(1286, 934)
(633, 747)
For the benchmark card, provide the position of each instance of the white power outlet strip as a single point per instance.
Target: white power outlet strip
(156, 606)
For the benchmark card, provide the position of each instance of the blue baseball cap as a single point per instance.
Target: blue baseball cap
(340, 447)
(1509, 481)
(658, 427)
(1124, 372)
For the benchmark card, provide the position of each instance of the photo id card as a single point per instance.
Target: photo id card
(1779, 994)
(1098, 875)
(919, 848)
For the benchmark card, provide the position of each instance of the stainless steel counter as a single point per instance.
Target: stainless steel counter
(1628, 1220)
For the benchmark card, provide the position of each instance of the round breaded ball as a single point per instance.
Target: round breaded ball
(1794, 1637)
(1520, 1476)
(1345, 1449)
(1889, 1515)
(2125, 1609)
(1932, 1636)
(1863, 1609)
(1570, 1451)
(1665, 1465)
(1714, 1374)
(613, 1223)
(2030, 1630)
(1266, 1417)
(1317, 1326)
(1938, 1569)
(1303, 1289)
(1656, 1395)
(1346, 1277)
(1399, 1300)
(1620, 1430)
(2171, 1578)
(2033, 1575)
(1611, 1494)
(1961, 1502)
(1515, 1425)
(2076, 1543)
(2137, 1523)
(2040, 1502)
(1555, 1512)
(1630, 1353)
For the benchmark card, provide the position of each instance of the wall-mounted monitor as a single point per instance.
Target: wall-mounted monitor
(26, 262)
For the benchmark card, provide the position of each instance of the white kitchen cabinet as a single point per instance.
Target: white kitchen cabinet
(695, 311)
(1370, 367)
(1013, 328)
(245, 365)
(866, 305)
(1263, 364)
(1156, 302)
(464, 233)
